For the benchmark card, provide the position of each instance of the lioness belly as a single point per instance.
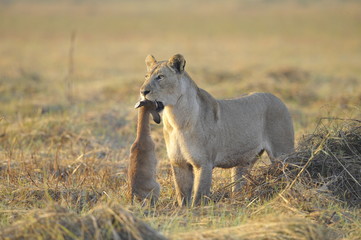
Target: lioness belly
(236, 158)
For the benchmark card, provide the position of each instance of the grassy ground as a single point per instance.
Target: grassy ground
(67, 117)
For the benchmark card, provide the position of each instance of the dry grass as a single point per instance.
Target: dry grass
(110, 222)
(331, 158)
(286, 228)
(64, 146)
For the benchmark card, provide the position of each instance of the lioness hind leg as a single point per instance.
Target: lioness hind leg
(280, 139)
(239, 171)
(279, 149)
(183, 179)
(237, 178)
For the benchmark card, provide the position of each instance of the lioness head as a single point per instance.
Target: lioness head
(162, 81)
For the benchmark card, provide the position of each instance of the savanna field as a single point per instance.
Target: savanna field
(70, 73)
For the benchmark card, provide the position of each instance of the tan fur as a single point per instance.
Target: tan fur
(143, 162)
(202, 133)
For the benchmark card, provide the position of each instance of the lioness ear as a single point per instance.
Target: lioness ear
(150, 61)
(177, 62)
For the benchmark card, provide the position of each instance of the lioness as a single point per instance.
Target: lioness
(202, 133)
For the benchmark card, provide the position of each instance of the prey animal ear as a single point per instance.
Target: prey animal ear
(156, 116)
(139, 104)
(177, 62)
(150, 61)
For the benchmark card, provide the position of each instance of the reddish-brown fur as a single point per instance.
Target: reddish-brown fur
(143, 162)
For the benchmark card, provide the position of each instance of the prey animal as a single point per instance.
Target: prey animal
(142, 161)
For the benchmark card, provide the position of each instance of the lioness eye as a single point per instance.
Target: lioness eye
(159, 77)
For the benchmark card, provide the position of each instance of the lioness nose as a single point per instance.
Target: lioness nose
(145, 92)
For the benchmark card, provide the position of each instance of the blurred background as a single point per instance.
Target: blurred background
(72, 69)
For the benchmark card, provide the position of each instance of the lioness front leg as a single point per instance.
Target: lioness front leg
(183, 180)
(202, 184)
